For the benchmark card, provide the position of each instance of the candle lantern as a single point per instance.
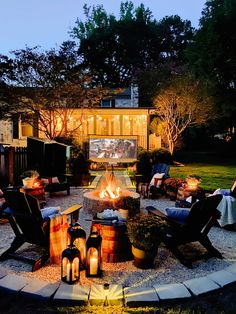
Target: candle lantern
(93, 255)
(70, 267)
(193, 182)
(78, 238)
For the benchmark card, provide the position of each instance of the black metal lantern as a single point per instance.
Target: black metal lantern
(70, 264)
(78, 238)
(94, 255)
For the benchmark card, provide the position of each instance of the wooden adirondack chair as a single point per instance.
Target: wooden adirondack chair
(24, 215)
(160, 172)
(202, 216)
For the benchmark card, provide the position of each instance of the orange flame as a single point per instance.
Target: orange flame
(109, 187)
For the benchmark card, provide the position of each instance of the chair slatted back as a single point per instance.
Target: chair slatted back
(202, 214)
(161, 168)
(25, 210)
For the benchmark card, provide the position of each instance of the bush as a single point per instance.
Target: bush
(172, 184)
(161, 155)
(129, 203)
(144, 231)
(144, 165)
(79, 163)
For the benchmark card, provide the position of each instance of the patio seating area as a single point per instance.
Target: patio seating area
(167, 268)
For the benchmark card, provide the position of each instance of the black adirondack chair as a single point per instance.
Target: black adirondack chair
(202, 216)
(23, 213)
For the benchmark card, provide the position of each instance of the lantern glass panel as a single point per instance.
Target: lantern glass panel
(93, 261)
(80, 243)
(70, 272)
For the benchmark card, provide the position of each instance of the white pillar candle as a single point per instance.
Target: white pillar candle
(68, 272)
(72, 271)
(93, 265)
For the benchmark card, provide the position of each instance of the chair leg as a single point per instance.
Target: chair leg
(210, 248)
(41, 261)
(176, 252)
(17, 242)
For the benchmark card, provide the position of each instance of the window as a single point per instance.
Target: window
(106, 103)
(26, 129)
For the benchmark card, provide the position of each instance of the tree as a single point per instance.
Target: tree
(116, 51)
(212, 54)
(183, 102)
(46, 86)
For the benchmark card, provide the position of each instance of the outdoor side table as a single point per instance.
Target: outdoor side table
(116, 246)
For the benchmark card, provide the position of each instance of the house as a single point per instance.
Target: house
(117, 115)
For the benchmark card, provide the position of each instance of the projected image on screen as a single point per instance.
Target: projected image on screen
(112, 148)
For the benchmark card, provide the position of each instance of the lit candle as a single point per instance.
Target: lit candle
(72, 271)
(93, 266)
(68, 272)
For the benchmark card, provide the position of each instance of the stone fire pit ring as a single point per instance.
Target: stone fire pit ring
(93, 204)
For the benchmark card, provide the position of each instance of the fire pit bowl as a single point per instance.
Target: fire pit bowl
(93, 204)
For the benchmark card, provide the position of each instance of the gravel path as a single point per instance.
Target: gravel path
(166, 269)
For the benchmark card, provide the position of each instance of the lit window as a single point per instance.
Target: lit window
(26, 129)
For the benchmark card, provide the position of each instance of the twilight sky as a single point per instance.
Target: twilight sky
(46, 23)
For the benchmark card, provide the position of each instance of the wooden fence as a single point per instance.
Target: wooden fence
(13, 161)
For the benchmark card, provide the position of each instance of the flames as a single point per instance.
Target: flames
(109, 186)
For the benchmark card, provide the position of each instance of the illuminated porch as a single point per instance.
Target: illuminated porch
(82, 123)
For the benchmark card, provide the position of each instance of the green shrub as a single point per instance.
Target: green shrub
(144, 231)
(144, 164)
(161, 155)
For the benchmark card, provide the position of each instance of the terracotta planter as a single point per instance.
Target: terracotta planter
(143, 259)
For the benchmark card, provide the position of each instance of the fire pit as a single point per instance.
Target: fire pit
(108, 189)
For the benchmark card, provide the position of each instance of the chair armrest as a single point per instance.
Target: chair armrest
(156, 212)
(73, 212)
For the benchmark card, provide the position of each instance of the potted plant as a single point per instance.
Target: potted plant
(144, 232)
(171, 186)
(127, 206)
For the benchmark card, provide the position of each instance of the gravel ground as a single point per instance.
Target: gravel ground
(166, 269)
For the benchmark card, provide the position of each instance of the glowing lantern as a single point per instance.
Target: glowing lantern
(70, 272)
(78, 238)
(93, 255)
(193, 182)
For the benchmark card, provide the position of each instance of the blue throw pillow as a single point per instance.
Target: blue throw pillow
(48, 211)
(177, 214)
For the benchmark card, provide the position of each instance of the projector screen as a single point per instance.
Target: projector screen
(113, 148)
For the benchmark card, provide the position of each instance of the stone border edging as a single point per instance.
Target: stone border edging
(117, 295)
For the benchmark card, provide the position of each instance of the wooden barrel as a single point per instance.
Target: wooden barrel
(116, 246)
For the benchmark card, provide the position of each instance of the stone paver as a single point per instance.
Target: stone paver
(201, 285)
(75, 294)
(231, 268)
(3, 272)
(140, 296)
(111, 296)
(222, 277)
(13, 283)
(39, 289)
(172, 291)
